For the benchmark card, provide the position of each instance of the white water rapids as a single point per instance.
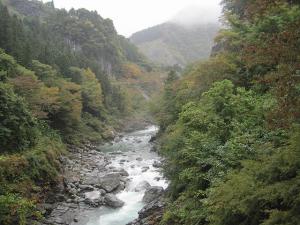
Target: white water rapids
(133, 153)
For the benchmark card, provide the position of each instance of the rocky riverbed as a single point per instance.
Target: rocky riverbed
(111, 184)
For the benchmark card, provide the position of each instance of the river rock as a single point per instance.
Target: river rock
(93, 198)
(84, 187)
(157, 164)
(122, 172)
(110, 182)
(112, 201)
(152, 193)
(145, 169)
(92, 195)
(144, 185)
(151, 214)
(153, 138)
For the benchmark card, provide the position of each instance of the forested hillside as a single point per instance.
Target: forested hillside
(171, 43)
(61, 83)
(230, 125)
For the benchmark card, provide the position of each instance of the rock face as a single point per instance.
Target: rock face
(112, 201)
(152, 193)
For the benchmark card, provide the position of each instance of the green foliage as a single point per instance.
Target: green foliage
(265, 191)
(16, 210)
(232, 147)
(17, 125)
(57, 85)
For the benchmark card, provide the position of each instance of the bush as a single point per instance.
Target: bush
(15, 210)
(17, 126)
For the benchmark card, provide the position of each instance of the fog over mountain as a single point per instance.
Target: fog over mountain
(185, 38)
(194, 15)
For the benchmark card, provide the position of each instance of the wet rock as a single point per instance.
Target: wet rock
(93, 198)
(151, 214)
(157, 178)
(144, 185)
(152, 193)
(116, 153)
(123, 172)
(145, 169)
(92, 195)
(110, 182)
(112, 201)
(94, 203)
(102, 192)
(63, 214)
(153, 138)
(84, 187)
(154, 149)
(157, 164)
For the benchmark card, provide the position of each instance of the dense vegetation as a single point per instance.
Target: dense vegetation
(62, 81)
(230, 125)
(171, 43)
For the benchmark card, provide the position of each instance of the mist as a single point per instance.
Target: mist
(194, 15)
(135, 15)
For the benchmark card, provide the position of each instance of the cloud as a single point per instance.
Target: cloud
(133, 15)
(197, 14)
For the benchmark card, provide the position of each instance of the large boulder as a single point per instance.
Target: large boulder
(144, 185)
(151, 214)
(110, 182)
(112, 201)
(152, 193)
(93, 198)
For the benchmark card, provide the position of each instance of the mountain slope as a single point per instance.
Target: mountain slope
(83, 33)
(170, 43)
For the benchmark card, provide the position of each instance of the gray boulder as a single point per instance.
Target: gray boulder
(144, 185)
(153, 193)
(93, 198)
(110, 182)
(112, 201)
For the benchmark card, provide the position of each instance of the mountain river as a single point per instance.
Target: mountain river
(131, 152)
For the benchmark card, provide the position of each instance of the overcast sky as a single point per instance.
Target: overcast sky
(130, 16)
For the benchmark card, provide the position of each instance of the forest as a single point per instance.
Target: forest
(61, 84)
(229, 125)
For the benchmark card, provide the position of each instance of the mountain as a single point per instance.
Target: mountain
(171, 43)
(85, 34)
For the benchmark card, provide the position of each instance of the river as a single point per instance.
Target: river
(131, 152)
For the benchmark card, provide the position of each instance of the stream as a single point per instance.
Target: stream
(108, 184)
(131, 152)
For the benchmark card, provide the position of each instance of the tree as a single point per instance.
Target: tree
(18, 128)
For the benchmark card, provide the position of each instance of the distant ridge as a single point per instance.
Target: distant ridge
(171, 43)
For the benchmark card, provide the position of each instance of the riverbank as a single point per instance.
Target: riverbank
(107, 183)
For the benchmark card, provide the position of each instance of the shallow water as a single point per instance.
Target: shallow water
(133, 153)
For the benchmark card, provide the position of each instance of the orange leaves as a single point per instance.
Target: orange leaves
(131, 70)
(41, 99)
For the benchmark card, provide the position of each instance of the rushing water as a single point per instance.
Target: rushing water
(133, 153)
